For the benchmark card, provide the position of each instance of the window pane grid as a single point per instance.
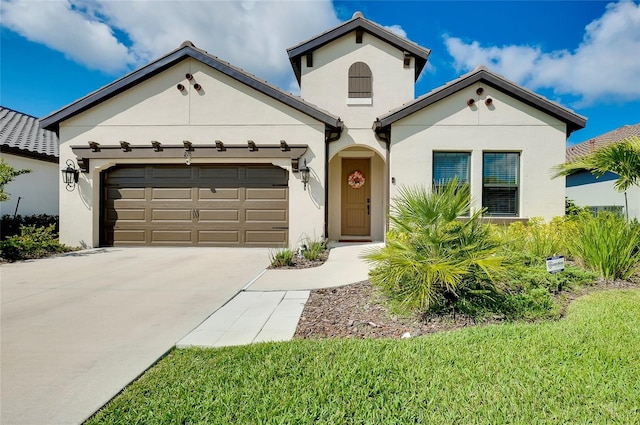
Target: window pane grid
(447, 165)
(500, 183)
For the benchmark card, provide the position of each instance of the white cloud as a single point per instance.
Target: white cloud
(605, 66)
(397, 30)
(253, 35)
(59, 26)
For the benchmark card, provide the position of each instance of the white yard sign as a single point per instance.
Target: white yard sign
(555, 264)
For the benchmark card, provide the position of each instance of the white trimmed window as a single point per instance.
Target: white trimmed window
(447, 165)
(501, 183)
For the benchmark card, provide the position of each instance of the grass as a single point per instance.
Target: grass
(582, 369)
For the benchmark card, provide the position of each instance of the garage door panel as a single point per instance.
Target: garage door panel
(266, 193)
(126, 193)
(265, 237)
(267, 173)
(171, 236)
(218, 193)
(129, 235)
(172, 173)
(261, 215)
(230, 215)
(171, 193)
(124, 214)
(172, 215)
(220, 173)
(199, 205)
(219, 237)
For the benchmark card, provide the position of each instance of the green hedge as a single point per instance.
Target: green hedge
(10, 225)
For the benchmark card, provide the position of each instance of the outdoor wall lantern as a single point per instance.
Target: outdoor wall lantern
(70, 175)
(304, 174)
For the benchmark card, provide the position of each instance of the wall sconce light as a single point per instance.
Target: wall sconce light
(488, 101)
(304, 174)
(70, 175)
(180, 87)
(188, 76)
(197, 86)
(470, 102)
(479, 91)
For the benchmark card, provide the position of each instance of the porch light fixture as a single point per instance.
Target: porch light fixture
(70, 175)
(304, 174)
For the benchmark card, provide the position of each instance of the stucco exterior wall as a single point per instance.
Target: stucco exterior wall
(507, 125)
(326, 84)
(223, 110)
(586, 190)
(37, 190)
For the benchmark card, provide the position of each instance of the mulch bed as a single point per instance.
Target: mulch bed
(359, 311)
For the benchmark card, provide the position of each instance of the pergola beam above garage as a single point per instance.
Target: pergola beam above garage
(156, 150)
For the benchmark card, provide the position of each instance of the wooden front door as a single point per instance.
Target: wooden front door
(356, 201)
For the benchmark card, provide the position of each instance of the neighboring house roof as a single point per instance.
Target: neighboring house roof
(20, 134)
(581, 149)
(187, 50)
(358, 22)
(482, 74)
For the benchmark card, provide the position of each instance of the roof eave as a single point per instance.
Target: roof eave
(295, 53)
(572, 120)
(52, 121)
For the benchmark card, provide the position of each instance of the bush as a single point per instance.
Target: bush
(538, 239)
(281, 257)
(313, 249)
(33, 242)
(10, 225)
(431, 258)
(606, 244)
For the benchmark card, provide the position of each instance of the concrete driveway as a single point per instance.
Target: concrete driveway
(77, 329)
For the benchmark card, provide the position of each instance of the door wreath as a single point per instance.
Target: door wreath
(356, 180)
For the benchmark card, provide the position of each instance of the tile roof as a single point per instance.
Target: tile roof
(21, 133)
(482, 74)
(188, 50)
(581, 149)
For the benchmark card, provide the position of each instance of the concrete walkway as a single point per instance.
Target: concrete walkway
(269, 307)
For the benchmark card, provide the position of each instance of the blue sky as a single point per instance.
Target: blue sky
(584, 55)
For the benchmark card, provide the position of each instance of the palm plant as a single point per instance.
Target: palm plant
(622, 158)
(431, 255)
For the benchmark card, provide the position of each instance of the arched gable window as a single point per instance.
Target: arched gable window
(359, 80)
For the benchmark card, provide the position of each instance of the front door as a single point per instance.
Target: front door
(356, 197)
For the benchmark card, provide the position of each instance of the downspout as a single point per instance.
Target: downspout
(329, 136)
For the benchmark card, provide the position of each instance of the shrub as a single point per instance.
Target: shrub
(33, 242)
(606, 244)
(431, 258)
(281, 257)
(538, 239)
(313, 249)
(10, 225)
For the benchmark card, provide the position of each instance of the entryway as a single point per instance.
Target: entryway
(356, 197)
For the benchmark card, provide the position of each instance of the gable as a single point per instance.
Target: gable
(187, 50)
(220, 100)
(355, 28)
(486, 78)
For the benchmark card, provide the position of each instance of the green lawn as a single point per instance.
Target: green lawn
(582, 369)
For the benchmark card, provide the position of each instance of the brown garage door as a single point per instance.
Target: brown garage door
(246, 205)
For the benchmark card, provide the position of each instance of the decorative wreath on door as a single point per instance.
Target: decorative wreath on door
(356, 180)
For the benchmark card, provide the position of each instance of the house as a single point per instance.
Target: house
(24, 145)
(598, 193)
(191, 150)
